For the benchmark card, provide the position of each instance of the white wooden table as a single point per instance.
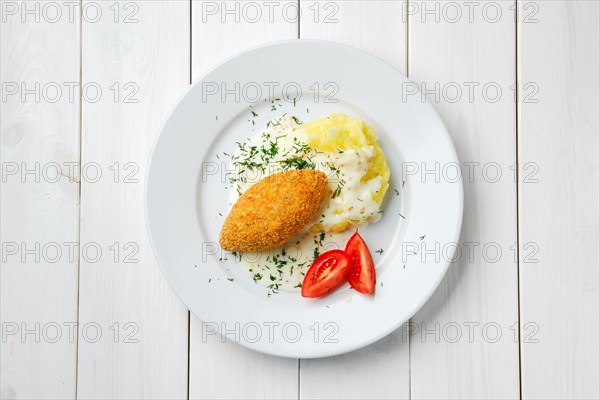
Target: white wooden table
(86, 311)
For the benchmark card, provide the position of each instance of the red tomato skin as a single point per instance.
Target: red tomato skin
(313, 287)
(362, 275)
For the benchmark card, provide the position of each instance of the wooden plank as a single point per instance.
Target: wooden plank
(222, 29)
(382, 369)
(463, 340)
(39, 59)
(378, 371)
(138, 54)
(375, 26)
(226, 370)
(558, 201)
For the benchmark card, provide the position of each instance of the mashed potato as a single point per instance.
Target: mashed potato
(341, 132)
(351, 145)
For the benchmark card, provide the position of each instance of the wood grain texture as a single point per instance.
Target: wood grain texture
(148, 358)
(142, 54)
(222, 29)
(377, 27)
(558, 206)
(449, 55)
(381, 370)
(378, 371)
(40, 132)
(227, 370)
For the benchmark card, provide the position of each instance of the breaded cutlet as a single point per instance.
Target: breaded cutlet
(273, 210)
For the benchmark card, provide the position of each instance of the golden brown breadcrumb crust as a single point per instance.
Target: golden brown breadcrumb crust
(273, 210)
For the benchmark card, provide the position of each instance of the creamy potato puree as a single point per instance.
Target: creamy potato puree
(358, 178)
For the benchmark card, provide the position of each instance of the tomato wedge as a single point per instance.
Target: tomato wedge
(362, 270)
(326, 273)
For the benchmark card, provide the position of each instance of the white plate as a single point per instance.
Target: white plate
(184, 197)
